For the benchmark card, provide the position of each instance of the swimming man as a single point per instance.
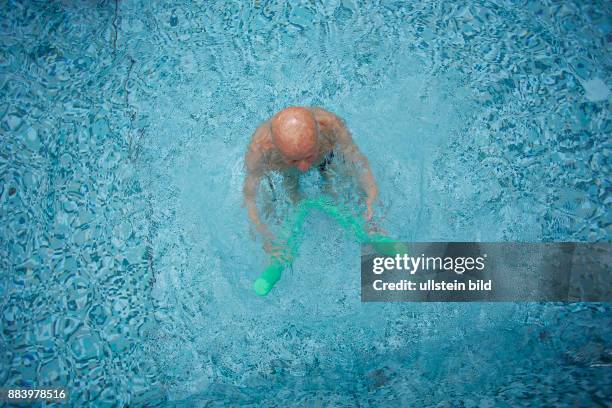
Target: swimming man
(300, 138)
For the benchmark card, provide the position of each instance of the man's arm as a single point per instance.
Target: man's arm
(351, 152)
(254, 174)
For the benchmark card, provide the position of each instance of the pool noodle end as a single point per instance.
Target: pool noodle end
(387, 246)
(268, 278)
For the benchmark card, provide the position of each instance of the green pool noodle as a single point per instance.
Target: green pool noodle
(268, 278)
(293, 228)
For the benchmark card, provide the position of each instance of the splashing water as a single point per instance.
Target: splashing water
(126, 256)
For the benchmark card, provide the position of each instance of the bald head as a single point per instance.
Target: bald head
(294, 132)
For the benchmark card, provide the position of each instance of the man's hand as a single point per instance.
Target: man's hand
(274, 248)
(268, 239)
(369, 213)
(271, 245)
(372, 226)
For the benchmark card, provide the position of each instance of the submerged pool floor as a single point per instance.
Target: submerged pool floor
(125, 252)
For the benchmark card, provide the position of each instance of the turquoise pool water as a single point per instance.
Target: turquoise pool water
(126, 259)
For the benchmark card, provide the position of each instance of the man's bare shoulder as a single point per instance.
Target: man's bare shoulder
(262, 138)
(260, 144)
(261, 141)
(332, 126)
(325, 119)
